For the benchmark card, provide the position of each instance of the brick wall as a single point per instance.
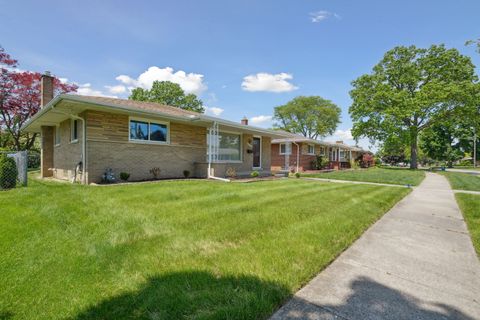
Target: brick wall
(305, 159)
(67, 155)
(109, 147)
(47, 136)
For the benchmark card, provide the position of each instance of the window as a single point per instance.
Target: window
(74, 131)
(311, 149)
(342, 154)
(284, 149)
(57, 135)
(322, 151)
(229, 146)
(148, 131)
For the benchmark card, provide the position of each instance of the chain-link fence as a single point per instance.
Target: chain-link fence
(13, 169)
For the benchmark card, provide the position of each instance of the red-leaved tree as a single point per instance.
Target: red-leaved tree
(20, 100)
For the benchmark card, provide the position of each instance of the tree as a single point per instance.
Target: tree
(313, 116)
(170, 94)
(474, 42)
(441, 142)
(410, 90)
(19, 100)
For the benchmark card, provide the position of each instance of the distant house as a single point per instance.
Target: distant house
(297, 153)
(83, 136)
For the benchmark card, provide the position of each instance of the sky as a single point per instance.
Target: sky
(242, 58)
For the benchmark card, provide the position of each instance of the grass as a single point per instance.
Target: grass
(470, 206)
(463, 181)
(173, 249)
(379, 175)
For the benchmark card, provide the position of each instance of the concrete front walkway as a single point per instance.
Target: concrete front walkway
(417, 262)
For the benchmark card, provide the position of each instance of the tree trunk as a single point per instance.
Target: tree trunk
(413, 148)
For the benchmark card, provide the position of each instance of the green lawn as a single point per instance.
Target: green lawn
(470, 206)
(463, 181)
(380, 175)
(173, 249)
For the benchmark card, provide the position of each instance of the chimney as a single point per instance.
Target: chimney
(339, 142)
(46, 88)
(244, 121)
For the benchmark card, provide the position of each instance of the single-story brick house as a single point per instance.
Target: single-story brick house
(297, 153)
(136, 137)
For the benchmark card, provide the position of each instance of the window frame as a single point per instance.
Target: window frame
(280, 149)
(73, 128)
(322, 150)
(241, 147)
(149, 122)
(313, 149)
(57, 134)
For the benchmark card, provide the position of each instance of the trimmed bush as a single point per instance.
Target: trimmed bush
(8, 172)
(186, 173)
(297, 174)
(254, 174)
(124, 176)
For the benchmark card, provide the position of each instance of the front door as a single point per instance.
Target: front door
(257, 152)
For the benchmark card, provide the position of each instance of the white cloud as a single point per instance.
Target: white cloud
(87, 90)
(214, 111)
(261, 120)
(268, 82)
(190, 82)
(322, 15)
(344, 134)
(118, 89)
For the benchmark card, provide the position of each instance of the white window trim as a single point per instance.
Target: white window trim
(261, 151)
(280, 149)
(72, 123)
(241, 147)
(313, 146)
(57, 132)
(149, 121)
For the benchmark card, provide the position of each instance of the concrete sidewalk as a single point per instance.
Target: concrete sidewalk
(417, 262)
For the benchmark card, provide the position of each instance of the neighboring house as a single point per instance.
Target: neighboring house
(136, 137)
(297, 153)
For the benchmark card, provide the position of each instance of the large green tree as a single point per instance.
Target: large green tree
(313, 116)
(168, 93)
(411, 89)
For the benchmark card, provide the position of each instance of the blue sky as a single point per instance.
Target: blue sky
(241, 57)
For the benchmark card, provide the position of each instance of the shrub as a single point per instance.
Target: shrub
(186, 173)
(254, 174)
(297, 175)
(33, 160)
(155, 172)
(465, 163)
(124, 176)
(320, 162)
(8, 172)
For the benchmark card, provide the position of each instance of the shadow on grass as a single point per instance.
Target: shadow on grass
(371, 300)
(186, 295)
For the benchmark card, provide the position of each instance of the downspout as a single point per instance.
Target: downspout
(298, 153)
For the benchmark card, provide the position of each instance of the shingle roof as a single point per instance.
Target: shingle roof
(141, 105)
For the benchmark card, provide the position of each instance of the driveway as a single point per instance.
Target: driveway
(417, 262)
(469, 171)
